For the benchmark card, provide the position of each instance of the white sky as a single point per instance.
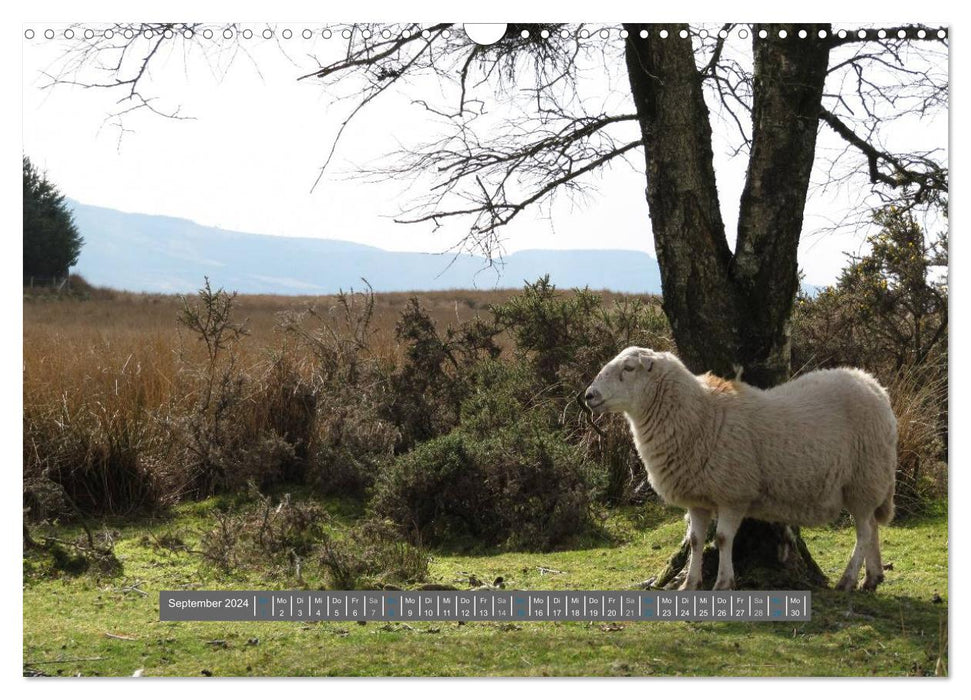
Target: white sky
(248, 158)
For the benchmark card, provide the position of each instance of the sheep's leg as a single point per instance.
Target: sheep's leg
(729, 520)
(698, 519)
(874, 566)
(863, 536)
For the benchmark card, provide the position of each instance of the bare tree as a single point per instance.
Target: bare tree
(523, 122)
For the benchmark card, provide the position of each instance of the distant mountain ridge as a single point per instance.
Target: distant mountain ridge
(150, 253)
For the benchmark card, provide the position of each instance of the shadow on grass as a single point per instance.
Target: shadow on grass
(872, 627)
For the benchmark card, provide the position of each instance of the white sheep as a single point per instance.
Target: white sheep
(797, 453)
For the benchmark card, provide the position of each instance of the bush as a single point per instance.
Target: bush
(243, 426)
(284, 408)
(428, 389)
(888, 314)
(352, 437)
(565, 340)
(887, 311)
(213, 434)
(563, 336)
(351, 446)
(264, 534)
(521, 487)
(372, 556)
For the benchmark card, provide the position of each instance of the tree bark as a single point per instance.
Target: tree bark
(725, 307)
(787, 92)
(689, 235)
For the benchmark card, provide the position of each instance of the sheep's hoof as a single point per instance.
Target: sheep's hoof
(846, 584)
(728, 585)
(870, 583)
(689, 585)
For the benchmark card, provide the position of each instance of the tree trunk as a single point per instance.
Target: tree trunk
(725, 307)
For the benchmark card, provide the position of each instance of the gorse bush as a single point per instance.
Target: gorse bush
(435, 374)
(521, 486)
(212, 433)
(255, 425)
(372, 556)
(888, 309)
(352, 438)
(566, 335)
(888, 313)
(265, 533)
(287, 409)
(565, 340)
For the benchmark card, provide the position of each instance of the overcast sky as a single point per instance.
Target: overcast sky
(248, 158)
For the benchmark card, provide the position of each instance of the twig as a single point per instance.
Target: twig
(122, 637)
(65, 661)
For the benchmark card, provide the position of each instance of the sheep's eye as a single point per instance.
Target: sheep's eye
(629, 368)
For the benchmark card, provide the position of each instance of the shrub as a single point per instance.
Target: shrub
(499, 395)
(285, 409)
(264, 534)
(352, 437)
(563, 336)
(372, 556)
(256, 425)
(213, 434)
(521, 486)
(888, 314)
(351, 446)
(887, 311)
(428, 388)
(549, 327)
(566, 339)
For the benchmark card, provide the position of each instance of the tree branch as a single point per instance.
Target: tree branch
(931, 180)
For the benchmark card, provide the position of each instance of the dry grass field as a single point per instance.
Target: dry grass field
(114, 325)
(119, 347)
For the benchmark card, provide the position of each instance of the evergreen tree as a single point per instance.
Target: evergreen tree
(52, 243)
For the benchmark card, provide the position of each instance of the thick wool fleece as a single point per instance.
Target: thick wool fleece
(797, 453)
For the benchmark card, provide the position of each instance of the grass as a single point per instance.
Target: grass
(104, 627)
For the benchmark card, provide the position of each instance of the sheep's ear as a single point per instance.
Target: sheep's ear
(647, 362)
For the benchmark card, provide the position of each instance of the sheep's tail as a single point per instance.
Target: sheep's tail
(884, 511)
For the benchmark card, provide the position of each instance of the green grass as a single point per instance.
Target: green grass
(897, 631)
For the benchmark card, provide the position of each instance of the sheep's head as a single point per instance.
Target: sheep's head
(627, 380)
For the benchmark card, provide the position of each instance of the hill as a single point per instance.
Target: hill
(148, 253)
